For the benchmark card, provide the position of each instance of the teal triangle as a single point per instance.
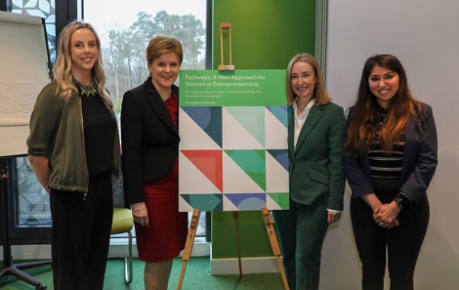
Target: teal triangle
(280, 112)
(204, 202)
(253, 162)
(252, 119)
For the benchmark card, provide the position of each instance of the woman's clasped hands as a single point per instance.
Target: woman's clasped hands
(386, 215)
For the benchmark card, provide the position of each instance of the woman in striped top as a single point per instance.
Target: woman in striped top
(390, 156)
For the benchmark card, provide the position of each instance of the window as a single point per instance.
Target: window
(43, 8)
(125, 32)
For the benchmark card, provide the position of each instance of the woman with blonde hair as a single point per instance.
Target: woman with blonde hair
(315, 133)
(73, 147)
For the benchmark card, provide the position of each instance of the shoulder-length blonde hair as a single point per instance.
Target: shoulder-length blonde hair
(63, 67)
(320, 94)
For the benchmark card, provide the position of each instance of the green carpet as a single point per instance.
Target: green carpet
(197, 277)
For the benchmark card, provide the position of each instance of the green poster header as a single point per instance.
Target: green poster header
(208, 88)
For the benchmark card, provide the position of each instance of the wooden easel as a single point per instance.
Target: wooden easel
(189, 244)
(223, 66)
(269, 224)
(266, 214)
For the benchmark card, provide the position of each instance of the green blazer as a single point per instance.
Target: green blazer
(316, 165)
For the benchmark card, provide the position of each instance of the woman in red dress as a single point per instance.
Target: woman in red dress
(149, 125)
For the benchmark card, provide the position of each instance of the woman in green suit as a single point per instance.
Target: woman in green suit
(317, 181)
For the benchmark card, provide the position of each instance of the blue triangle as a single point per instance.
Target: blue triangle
(209, 119)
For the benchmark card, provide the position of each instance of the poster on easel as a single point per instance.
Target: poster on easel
(233, 151)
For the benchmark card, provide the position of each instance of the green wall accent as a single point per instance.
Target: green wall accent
(265, 35)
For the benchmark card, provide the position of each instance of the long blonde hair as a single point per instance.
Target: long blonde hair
(63, 67)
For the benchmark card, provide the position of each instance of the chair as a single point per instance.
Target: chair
(123, 223)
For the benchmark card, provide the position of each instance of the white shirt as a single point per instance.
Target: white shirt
(300, 119)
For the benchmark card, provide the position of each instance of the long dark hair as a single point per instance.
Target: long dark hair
(363, 126)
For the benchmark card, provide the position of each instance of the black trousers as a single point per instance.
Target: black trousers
(401, 244)
(81, 234)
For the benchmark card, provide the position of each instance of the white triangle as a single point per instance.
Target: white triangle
(184, 206)
(276, 175)
(235, 136)
(275, 132)
(192, 136)
(228, 205)
(191, 179)
(235, 180)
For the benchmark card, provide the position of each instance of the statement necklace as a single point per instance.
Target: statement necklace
(87, 90)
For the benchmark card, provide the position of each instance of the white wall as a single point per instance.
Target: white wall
(423, 35)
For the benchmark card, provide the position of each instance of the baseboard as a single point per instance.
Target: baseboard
(217, 266)
(43, 252)
(248, 265)
(30, 252)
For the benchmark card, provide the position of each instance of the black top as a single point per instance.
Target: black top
(99, 133)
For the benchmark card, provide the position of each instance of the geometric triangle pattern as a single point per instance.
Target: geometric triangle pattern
(280, 112)
(244, 156)
(236, 180)
(233, 140)
(195, 182)
(276, 171)
(209, 119)
(248, 201)
(252, 162)
(275, 125)
(233, 148)
(209, 163)
(239, 132)
(251, 120)
(193, 136)
(278, 201)
(280, 155)
(204, 202)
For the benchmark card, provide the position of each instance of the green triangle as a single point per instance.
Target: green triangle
(281, 198)
(253, 162)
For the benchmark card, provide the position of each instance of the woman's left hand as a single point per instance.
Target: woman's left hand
(333, 216)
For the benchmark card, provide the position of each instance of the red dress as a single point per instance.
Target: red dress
(165, 237)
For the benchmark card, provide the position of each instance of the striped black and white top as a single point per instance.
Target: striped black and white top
(382, 165)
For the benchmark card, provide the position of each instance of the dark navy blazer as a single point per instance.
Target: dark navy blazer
(419, 159)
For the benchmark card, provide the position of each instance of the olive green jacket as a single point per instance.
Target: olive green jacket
(56, 132)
